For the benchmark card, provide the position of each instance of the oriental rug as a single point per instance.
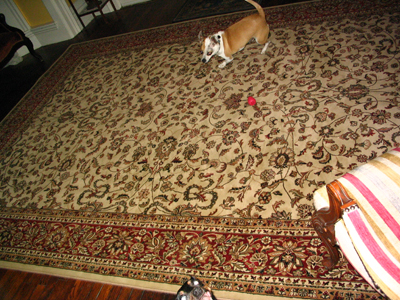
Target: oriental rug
(132, 162)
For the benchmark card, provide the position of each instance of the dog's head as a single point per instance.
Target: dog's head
(209, 46)
(194, 289)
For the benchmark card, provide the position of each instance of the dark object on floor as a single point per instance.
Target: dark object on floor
(92, 7)
(11, 39)
(194, 289)
(194, 9)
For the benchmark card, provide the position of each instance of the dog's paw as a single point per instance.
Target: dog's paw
(222, 65)
(265, 48)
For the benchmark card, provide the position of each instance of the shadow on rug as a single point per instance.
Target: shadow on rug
(133, 161)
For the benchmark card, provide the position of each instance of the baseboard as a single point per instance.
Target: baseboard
(43, 34)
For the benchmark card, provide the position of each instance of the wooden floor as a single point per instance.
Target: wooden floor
(18, 285)
(16, 81)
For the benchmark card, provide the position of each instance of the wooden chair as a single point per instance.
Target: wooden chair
(92, 7)
(360, 212)
(11, 39)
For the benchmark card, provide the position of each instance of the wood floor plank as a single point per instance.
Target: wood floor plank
(150, 295)
(114, 292)
(33, 286)
(125, 293)
(2, 273)
(136, 294)
(4, 280)
(60, 288)
(37, 292)
(17, 279)
(40, 286)
(94, 292)
(80, 290)
(25, 289)
(169, 296)
(104, 292)
(75, 290)
(47, 285)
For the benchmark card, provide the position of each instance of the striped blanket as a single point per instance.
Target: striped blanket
(374, 224)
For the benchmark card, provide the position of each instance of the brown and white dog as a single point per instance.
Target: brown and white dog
(194, 289)
(235, 37)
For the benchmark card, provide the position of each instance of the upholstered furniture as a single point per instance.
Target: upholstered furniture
(360, 212)
(11, 39)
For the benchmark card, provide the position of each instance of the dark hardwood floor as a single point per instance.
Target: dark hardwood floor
(18, 285)
(16, 81)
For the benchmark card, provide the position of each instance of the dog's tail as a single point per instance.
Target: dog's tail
(258, 7)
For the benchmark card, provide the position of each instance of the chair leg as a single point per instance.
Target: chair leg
(112, 3)
(326, 232)
(324, 221)
(29, 45)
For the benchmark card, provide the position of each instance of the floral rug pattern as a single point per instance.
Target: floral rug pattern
(145, 135)
(252, 256)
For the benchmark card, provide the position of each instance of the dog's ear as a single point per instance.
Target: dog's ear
(214, 40)
(201, 37)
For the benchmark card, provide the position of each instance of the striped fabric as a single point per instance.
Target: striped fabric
(374, 226)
